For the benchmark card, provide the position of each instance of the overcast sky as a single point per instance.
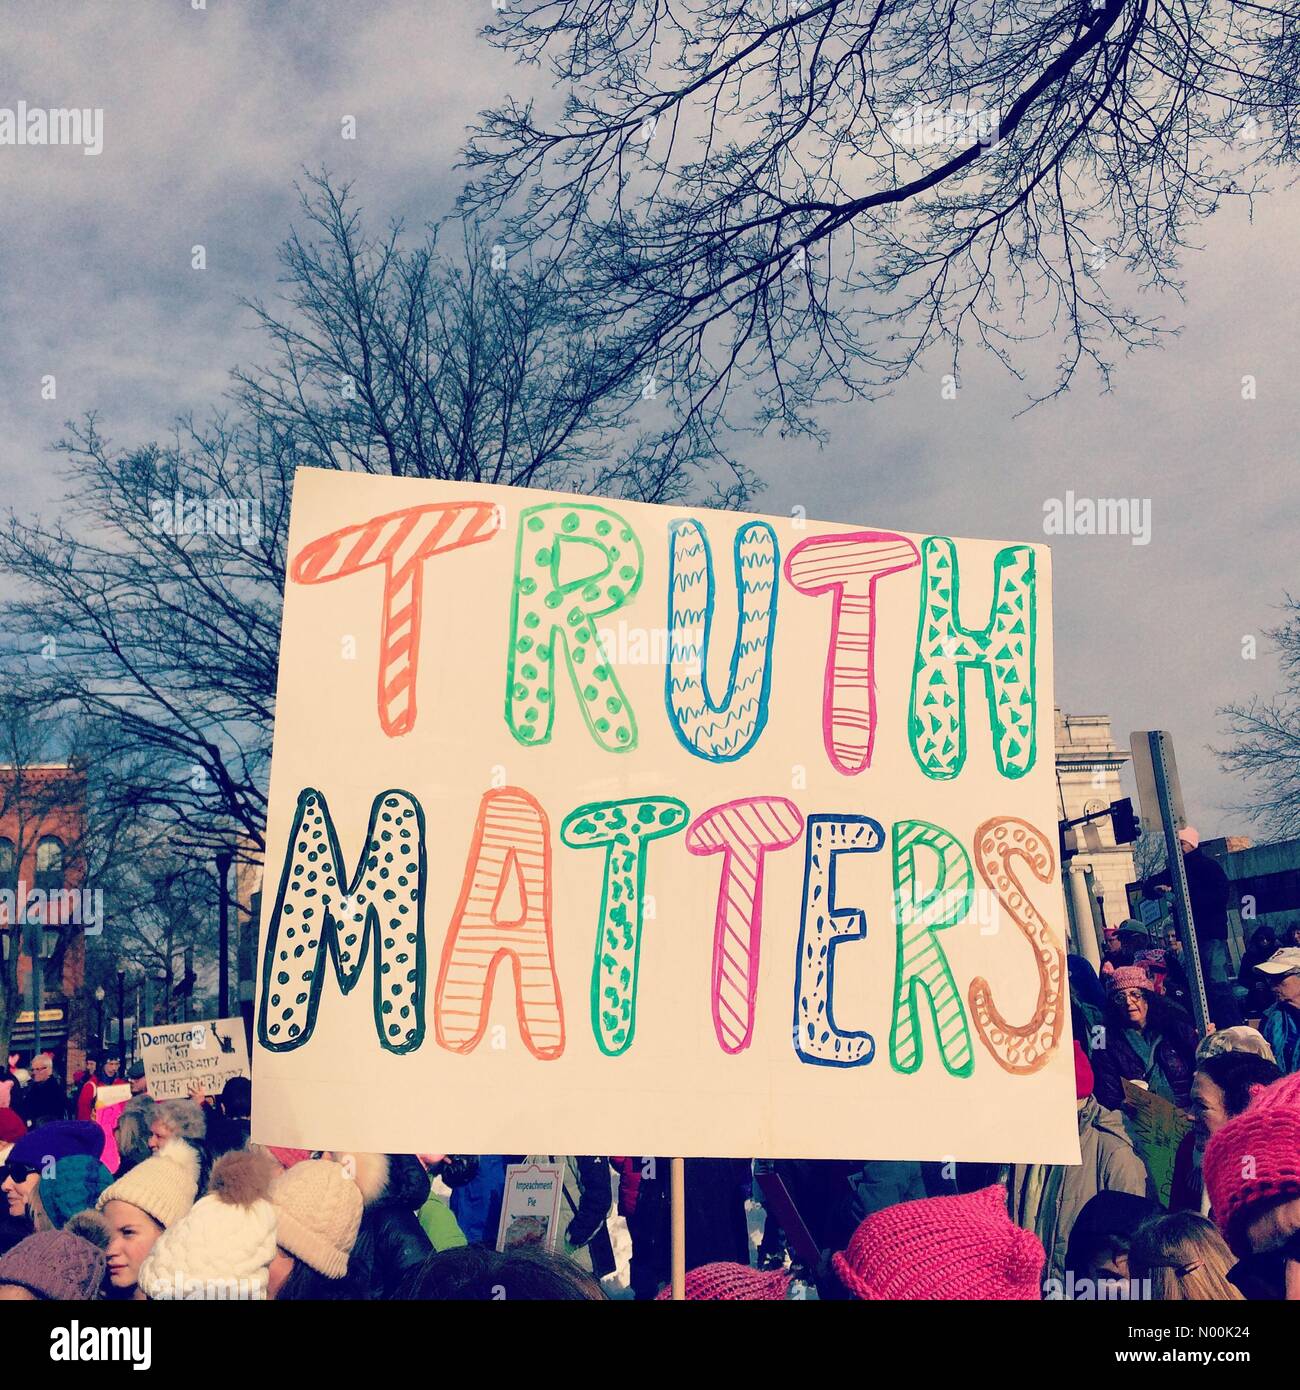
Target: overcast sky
(210, 115)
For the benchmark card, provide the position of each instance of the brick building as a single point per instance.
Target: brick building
(44, 912)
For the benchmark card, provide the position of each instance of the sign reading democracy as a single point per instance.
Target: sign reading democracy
(179, 1056)
(602, 827)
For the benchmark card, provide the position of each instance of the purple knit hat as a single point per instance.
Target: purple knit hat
(60, 1139)
(60, 1265)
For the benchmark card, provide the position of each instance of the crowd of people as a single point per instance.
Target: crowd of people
(172, 1200)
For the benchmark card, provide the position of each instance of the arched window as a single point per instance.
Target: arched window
(49, 864)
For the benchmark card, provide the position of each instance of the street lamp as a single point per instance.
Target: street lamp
(99, 1018)
(121, 1014)
(223, 859)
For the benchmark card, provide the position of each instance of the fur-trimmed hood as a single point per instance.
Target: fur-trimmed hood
(397, 1180)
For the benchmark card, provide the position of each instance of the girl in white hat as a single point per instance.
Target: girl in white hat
(140, 1206)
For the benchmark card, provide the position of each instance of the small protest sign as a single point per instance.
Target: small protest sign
(107, 1096)
(1158, 1128)
(179, 1056)
(530, 1210)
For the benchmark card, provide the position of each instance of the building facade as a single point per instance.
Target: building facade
(1263, 885)
(45, 911)
(1096, 879)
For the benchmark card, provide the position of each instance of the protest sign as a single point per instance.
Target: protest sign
(106, 1096)
(1158, 1128)
(178, 1056)
(601, 827)
(530, 1208)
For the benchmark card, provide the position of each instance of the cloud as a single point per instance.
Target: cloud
(211, 114)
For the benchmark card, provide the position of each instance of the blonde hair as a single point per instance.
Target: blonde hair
(36, 1210)
(1184, 1257)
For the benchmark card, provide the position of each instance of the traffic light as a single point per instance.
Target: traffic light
(1125, 823)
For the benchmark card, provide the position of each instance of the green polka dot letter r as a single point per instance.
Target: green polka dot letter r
(554, 610)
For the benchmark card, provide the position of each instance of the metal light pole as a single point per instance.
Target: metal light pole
(99, 1018)
(121, 1016)
(36, 944)
(1160, 793)
(223, 932)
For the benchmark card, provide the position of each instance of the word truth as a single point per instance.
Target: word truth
(555, 615)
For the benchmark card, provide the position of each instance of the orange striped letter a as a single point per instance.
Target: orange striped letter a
(504, 913)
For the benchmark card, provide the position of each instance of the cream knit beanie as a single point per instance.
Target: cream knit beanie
(223, 1247)
(318, 1208)
(164, 1186)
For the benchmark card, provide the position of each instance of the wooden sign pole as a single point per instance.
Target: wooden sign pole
(679, 1228)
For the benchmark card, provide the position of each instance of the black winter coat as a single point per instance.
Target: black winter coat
(391, 1244)
(1118, 1059)
(39, 1102)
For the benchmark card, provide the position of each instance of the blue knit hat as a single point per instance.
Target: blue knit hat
(74, 1186)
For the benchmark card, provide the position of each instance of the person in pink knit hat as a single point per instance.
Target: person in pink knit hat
(963, 1247)
(1148, 1040)
(732, 1283)
(1252, 1176)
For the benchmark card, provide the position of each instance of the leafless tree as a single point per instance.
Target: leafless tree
(808, 195)
(1265, 734)
(1149, 855)
(150, 606)
(164, 904)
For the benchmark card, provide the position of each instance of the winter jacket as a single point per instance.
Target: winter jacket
(880, 1184)
(391, 1244)
(439, 1223)
(1119, 1060)
(716, 1224)
(1047, 1199)
(1187, 1191)
(833, 1196)
(1258, 993)
(13, 1229)
(629, 1183)
(42, 1101)
(226, 1133)
(1207, 886)
(477, 1203)
(85, 1106)
(586, 1201)
(1280, 1025)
